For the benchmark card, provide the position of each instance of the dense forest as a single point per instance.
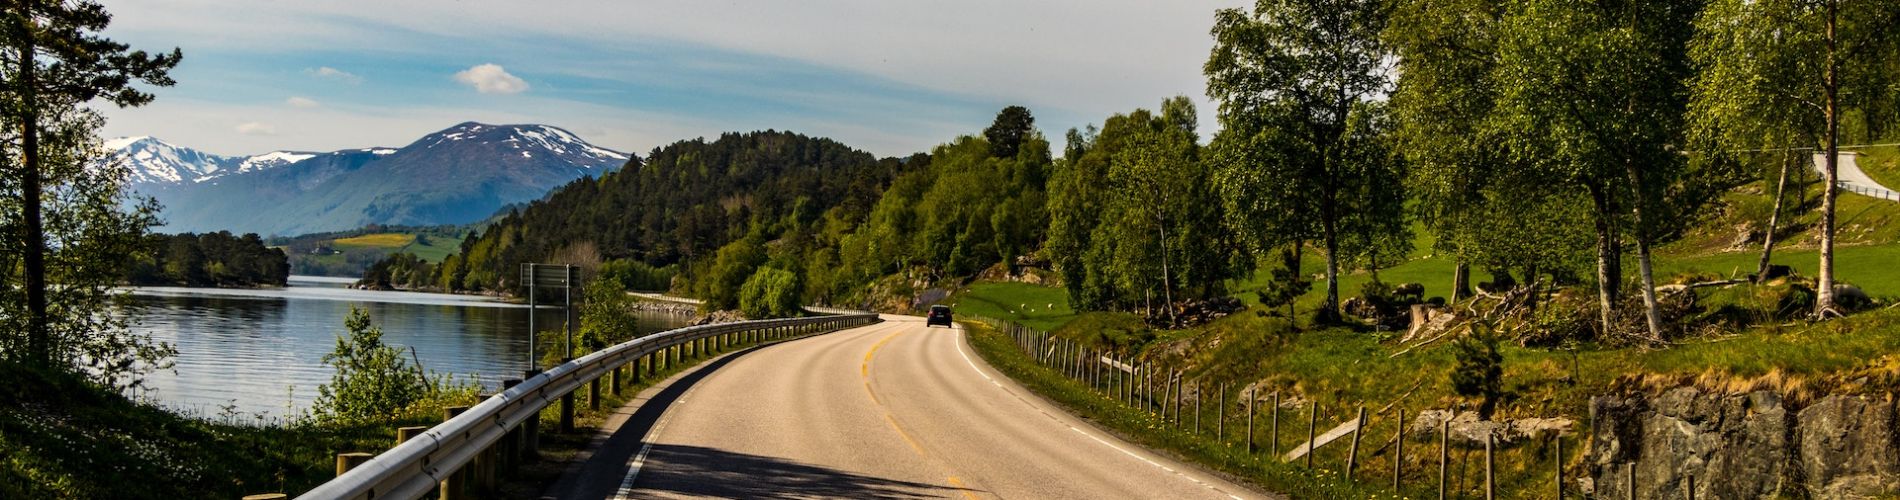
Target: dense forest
(209, 259)
(1351, 148)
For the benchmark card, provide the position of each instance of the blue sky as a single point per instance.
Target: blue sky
(890, 77)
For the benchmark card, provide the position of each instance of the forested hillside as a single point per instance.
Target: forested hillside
(680, 205)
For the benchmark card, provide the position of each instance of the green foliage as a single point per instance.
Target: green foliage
(399, 270)
(1134, 220)
(1013, 125)
(210, 259)
(1479, 369)
(1302, 150)
(736, 262)
(373, 382)
(635, 275)
(770, 293)
(607, 316)
(93, 233)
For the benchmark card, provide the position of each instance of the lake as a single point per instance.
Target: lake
(260, 351)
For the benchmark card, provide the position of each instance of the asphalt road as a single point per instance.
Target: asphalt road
(893, 410)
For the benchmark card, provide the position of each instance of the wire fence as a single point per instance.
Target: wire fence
(1370, 444)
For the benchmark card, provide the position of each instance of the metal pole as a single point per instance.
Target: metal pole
(532, 308)
(1220, 416)
(1629, 479)
(568, 317)
(1274, 433)
(1251, 396)
(1490, 486)
(1560, 466)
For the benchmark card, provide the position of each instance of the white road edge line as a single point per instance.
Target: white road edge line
(1125, 451)
(625, 492)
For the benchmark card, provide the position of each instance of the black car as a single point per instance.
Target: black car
(939, 315)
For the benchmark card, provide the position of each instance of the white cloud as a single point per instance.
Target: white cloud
(491, 79)
(302, 102)
(329, 73)
(256, 128)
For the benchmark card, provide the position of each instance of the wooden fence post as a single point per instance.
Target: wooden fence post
(1312, 421)
(1398, 450)
(1444, 453)
(1352, 456)
(347, 461)
(455, 486)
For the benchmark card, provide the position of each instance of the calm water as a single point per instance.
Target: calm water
(262, 350)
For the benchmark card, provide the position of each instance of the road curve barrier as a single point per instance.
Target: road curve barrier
(416, 466)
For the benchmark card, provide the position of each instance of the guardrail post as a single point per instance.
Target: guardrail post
(617, 369)
(593, 392)
(347, 461)
(510, 442)
(531, 431)
(567, 407)
(455, 487)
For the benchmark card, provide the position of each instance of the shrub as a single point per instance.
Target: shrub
(1479, 368)
(770, 293)
(373, 381)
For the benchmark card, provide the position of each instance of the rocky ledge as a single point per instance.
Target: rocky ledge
(1751, 445)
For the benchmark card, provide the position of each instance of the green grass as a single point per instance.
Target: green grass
(1040, 307)
(1228, 456)
(1882, 164)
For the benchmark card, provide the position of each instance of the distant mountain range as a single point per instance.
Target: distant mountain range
(459, 175)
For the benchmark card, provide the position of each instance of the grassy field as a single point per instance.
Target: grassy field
(1037, 306)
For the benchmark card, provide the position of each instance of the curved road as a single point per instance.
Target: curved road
(892, 410)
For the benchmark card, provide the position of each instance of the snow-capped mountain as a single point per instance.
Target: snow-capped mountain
(154, 162)
(458, 175)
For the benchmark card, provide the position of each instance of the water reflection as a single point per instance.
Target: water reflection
(261, 351)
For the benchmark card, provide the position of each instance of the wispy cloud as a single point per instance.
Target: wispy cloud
(256, 128)
(302, 102)
(329, 73)
(491, 79)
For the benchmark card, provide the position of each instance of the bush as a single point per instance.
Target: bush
(635, 275)
(770, 293)
(373, 381)
(1479, 369)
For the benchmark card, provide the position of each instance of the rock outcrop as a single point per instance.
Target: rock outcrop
(1750, 445)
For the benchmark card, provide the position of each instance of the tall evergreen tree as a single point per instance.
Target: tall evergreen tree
(52, 62)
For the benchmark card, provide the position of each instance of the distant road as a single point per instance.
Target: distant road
(893, 410)
(1852, 176)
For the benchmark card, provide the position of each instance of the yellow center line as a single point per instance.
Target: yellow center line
(864, 370)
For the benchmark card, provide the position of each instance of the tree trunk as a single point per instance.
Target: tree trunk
(39, 340)
(1461, 281)
(1167, 277)
(1824, 284)
(1651, 310)
(1329, 308)
(1774, 219)
(1608, 271)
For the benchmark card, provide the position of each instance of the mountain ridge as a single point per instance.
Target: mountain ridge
(457, 175)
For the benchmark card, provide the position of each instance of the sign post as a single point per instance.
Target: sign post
(565, 277)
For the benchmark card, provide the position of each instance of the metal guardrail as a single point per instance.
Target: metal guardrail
(1867, 191)
(413, 468)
